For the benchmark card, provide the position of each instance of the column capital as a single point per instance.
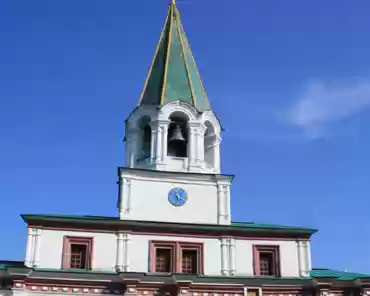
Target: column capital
(119, 235)
(160, 121)
(37, 231)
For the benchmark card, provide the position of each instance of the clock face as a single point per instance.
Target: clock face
(177, 197)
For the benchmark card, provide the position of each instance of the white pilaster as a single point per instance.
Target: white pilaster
(216, 155)
(301, 259)
(232, 256)
(220, 203)
(201, 131)
(125, 193)
(224, 257)
(164, 141)
(194, 146)
(227, 204)
(30, 247)
(126, 261)
(119, 257)
(153, 142)
(307, 257)
(191, 146)
(160, 128)
(36, 254)
(308, 254)
(223, 198)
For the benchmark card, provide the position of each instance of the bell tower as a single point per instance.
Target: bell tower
(173, 142)
(173, 128)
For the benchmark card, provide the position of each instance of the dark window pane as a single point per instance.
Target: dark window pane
(267, 264)
(78, 256)
(163, 260)
(190, 261)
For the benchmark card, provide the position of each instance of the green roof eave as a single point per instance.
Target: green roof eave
(114, 224)
(323, 273)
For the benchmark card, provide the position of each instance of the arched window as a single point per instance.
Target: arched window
(177, 139)
(145, 138)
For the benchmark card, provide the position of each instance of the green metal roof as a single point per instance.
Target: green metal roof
(338, 275)
(4, 264)
(173, 74)
(316, 273)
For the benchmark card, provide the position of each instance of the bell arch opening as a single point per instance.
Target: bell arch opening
(209, 145)
(177, 138)
(145, 137)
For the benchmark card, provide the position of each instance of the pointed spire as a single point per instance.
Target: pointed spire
(173, 74)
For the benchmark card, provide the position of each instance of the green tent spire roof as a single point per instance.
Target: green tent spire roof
(173, 75)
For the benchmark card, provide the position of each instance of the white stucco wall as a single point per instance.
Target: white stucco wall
(105, 252)
(139, 252)
(288, 256)
(153, 204)
(104, 249)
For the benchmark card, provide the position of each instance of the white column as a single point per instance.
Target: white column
(119, 257)
(164, 141)
(160, 142)
(153, 141)
(220, 203)
(29, 249)
(125, 194)
(194, 146)
(201, 131)
(36, 255)
(223, 204)
(224, 257)
(126, 261)
(191, 146)
(308, 251)
(121, 198)
(301, 259)
(232, 253)
(307, 256)
(227, 204)
(216, 155)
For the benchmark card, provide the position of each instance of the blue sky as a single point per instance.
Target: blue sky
(290, 81)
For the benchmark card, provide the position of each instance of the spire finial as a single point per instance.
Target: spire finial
(173, 2)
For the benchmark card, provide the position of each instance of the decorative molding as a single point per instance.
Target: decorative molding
(173, 234)
(180, 179)
(73, 288)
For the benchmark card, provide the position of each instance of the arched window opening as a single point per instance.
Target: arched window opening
(209, 145)
(146, 138)
(177, 139)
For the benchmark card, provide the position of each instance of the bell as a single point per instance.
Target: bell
(177, 134)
